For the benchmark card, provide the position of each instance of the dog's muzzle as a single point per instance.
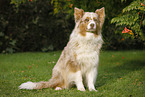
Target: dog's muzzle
(91, 26)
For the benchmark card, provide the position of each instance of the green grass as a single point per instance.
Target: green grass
(120, 74)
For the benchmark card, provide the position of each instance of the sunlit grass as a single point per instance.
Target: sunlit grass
(120, 73)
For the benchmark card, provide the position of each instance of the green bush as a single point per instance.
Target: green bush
(133, 18)
(31, 26)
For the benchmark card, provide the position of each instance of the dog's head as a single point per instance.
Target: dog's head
(89, 21)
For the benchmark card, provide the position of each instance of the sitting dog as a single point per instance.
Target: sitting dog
(79, 60)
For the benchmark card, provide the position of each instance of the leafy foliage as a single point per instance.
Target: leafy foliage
(45, 25)
(133, 17)
(32, 27)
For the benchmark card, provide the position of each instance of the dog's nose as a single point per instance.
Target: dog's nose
(92, 25)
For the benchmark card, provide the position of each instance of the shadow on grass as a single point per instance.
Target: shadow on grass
(119, 71)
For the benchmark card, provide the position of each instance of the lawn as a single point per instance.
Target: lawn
(120, 74)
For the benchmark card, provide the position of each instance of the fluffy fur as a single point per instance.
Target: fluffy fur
(79, 60)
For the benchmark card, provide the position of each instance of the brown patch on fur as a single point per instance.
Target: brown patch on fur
(94, 18)
(83, 28)
(56, 81)
(41, 85)
(59, 83)
(73, 67)
(96, 33)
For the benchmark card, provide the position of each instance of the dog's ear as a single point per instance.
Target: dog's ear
(101, 15)
(78, 13)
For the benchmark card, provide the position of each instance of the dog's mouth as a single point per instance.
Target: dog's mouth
(91, 30)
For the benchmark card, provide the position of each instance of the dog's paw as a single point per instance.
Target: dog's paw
(93, 90)
(58, 88)
(82, 89)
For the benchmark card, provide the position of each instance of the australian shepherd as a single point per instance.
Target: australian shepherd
(79, 60)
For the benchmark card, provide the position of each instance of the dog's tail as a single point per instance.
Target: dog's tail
(52, 83)
(34, 85)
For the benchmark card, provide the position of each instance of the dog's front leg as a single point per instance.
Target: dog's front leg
(91, 79)
(79, 81)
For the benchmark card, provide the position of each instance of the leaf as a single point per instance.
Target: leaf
(13, 42)
(132, 6)
(29, 66)
(142, 8)
(142, 35)
(123, 0)
(10, 50)
(55, 10)
(1, 34)
(143, 22)
(52, 1)
(142, 4)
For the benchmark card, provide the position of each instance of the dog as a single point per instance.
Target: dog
(79, 60)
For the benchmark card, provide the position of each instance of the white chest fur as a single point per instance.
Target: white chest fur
(88, 50)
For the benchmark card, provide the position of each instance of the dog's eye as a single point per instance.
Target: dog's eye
(95, 20)
(86, 20)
